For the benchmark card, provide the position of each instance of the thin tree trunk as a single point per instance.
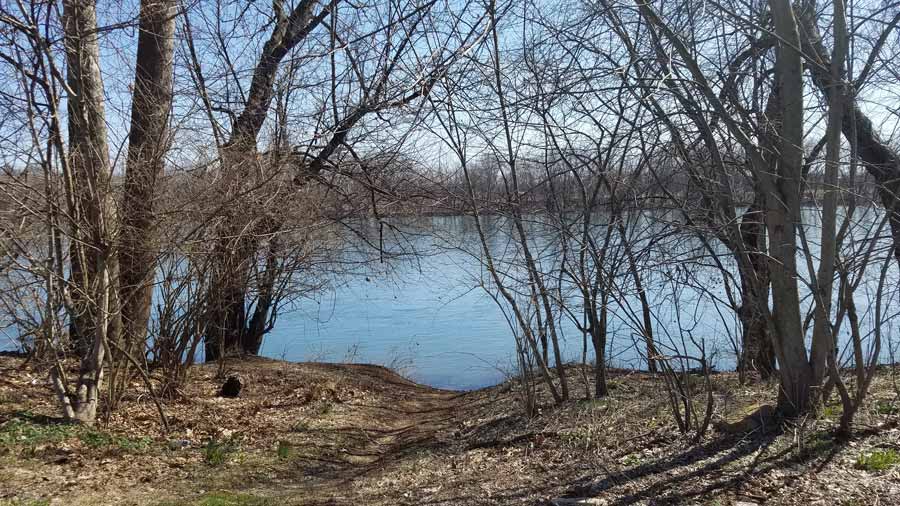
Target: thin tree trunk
(646, 312)
(598, 338)
(823, 342)
(88, 161)
(757, 354)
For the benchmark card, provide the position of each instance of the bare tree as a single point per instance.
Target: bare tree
(374, 81)
(149, 140)
(87, 173)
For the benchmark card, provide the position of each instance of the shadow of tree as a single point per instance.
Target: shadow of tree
(36, 419)
(701, 472)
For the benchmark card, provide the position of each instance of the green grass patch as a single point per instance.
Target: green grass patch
(885, 408)
(217, 453)
(879, 460)
(831, 412)
(284, 450)
(102, 440)
(819, 443)
(223, 499)
(584, 437)
(28, 430)
(631, 460)
(591, 405)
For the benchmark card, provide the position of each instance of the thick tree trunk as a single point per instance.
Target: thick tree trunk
(237, 245)
(227, 316)
(265, 311)
(90, 377)
(147, 145)
(80, 314)
(88, 162)
(226, 326)
(783, 216)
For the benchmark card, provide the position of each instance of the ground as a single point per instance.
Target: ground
(325, 434)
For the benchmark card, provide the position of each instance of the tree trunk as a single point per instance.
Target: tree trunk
(238, 240)
(646, 312)
(265, 311)
(598, 338)
(783, 215)
(757, 354)
(148, 143)
(881, 161)
(823, 342)
(227, 317)
(88, 187)
(88, 162)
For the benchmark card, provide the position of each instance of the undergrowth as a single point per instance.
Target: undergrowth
(879, 460)
(223, 499)
(27, 431)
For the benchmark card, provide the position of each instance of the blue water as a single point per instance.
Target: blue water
(422, 314)
(430, 318)
(432, 329)
(429, 321)
(426, 314)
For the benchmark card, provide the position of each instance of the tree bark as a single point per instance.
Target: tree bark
(783, 216)
(757, 354)
(148, 143)
(88, 160)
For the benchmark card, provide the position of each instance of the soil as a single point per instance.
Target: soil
(351, 434)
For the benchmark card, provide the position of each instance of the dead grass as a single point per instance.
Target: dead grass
(355, 434)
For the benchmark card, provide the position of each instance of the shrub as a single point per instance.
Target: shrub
(284, 450)
(216, 453)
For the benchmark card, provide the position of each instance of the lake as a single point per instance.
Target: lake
(426, 314)
(430, 318)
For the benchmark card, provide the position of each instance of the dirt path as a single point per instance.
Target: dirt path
(326, 434)
(402, 418)
(355, 426)
(303, 433)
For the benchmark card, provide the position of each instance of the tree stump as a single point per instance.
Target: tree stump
(231, 388)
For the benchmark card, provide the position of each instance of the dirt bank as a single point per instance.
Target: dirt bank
(361, 434)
